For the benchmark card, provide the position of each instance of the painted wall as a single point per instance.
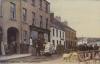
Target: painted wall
(57, 38)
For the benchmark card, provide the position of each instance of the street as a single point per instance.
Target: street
(34, 60)
(58, 60)
(46, 60)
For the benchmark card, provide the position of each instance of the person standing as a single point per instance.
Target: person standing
(31, 47)
(2, 48)
(14, 47)
(38, 49)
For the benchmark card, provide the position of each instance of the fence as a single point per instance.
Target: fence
(90, 57)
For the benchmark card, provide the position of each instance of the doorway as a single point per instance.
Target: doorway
(12, 39)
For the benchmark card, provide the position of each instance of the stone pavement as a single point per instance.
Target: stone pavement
(31, 59)
(13, 56)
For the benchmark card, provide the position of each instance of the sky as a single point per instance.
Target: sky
(81, 15)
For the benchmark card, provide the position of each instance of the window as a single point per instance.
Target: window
(53, 32)
(0, 7)
(60, 42)
(53, 42)
(63, 34)
(41, 21)
(47, 7)
(25, 36)
(56, 32)
(40, 4)
(24, 0)
(33, 2)
(46, 23)
(24, 14)
(13, 11)
(57, 42)
(60, 34)
(33, 18)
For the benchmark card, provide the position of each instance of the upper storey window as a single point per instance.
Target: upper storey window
(33, 18)
(41, 21)
(24, 0)
(13, 11)
(47, 7)
(24, 14)
(40, 4)
(33, 2)
(47, 21)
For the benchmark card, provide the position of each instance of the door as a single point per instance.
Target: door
(0, 47)
(0, 39)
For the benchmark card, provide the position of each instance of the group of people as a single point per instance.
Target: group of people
(37, 46)
(86, 47)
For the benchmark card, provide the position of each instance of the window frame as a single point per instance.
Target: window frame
(33, 2)
(12, 11)
(24, 14)
(33, 18)
(56, 32)
(41, 21)
(47, 20)
(53, 32)
(40, 4)
(53, 42)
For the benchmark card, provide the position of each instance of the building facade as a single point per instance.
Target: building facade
(70, 37)
(41, 20)
(61, 33)
(57, 33)
(20, 20)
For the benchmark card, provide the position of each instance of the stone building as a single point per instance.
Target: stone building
(20, 19)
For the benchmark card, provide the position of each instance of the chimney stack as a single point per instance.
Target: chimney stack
(58, 18)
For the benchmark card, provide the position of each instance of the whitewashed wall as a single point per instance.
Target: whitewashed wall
(55, 38)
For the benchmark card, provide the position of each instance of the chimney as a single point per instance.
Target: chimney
(58, 18)
(65, 22)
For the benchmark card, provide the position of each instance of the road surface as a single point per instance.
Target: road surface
(45, 60)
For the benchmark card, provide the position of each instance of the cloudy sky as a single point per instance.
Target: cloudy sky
(82, 15)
